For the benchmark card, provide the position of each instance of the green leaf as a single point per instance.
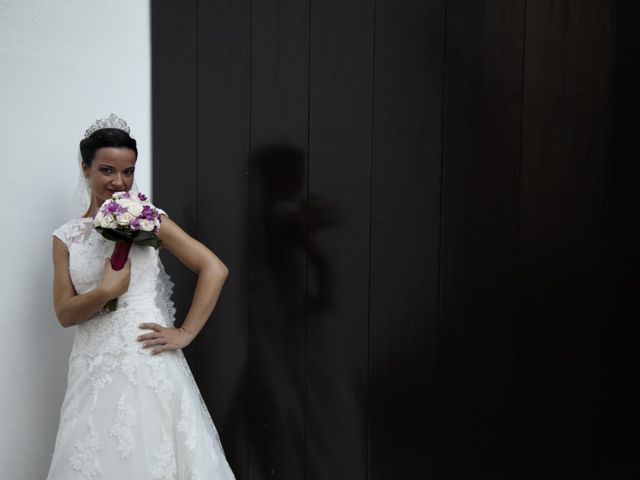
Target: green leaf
(139, 237)
(116, 235)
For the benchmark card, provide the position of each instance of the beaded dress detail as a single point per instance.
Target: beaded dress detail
(128, 414)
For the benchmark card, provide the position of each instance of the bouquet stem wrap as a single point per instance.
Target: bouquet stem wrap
(118, 259)
(120, 255)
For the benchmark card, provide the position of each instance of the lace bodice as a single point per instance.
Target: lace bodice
(149, 289)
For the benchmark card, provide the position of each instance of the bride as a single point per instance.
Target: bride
(132, 409)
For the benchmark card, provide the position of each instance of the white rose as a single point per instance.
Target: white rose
(97, 220)
(146, 225)
(125, 218)
(135, 208)
(108, 221)
(125, 203)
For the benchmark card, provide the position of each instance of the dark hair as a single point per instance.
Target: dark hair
(105, 137)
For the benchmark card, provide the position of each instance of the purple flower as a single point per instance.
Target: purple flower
(113, 207)
(135, 224)
(142, 197)
(147, 212)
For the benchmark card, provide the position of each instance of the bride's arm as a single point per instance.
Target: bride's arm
(73, 309)
(212, 274)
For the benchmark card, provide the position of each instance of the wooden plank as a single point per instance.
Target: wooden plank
(174, 97)
(341, 74)
(476, 336)
(560, 253)
(405, 235)
(278, 232)
(223, 215)
(619, 415)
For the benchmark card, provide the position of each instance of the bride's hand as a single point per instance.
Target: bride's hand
(167, 338)
(116, 282)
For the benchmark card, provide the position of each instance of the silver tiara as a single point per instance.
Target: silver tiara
(112, 121)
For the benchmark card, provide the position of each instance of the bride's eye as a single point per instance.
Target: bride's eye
(105, 170)
(129, 172)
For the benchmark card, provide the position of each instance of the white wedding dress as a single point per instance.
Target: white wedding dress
(128, 414)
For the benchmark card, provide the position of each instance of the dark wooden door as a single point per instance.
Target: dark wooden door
(427, 209)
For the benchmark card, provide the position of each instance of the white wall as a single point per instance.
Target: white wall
(62, 65)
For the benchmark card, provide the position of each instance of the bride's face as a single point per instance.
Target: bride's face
(111, 171)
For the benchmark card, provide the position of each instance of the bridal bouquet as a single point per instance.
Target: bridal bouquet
(127, 218)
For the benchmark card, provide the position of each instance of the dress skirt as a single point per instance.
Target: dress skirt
(134, 415)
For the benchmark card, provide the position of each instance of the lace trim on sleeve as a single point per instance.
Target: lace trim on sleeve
(62, 232)
(163, 296)
(165, 289)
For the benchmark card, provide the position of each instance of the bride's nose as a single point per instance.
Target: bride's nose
(117, 180)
